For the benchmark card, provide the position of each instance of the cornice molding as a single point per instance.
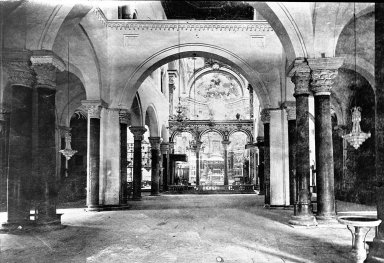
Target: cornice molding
(183, 25)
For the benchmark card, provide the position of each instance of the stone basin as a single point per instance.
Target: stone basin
(359, 221)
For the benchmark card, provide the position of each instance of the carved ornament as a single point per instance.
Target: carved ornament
(155, 142)
(138, 132)
(93, 107)
(20, 73)
(300, 74)
(265, 116)
(124, 116)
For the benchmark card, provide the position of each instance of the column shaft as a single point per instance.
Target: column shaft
(46, 153)
(197, 167)
(93, 162)
(225, 166)
(155, 155)
(138, 132)
(324, 157)
(267, 167)
(123, 163)
(292, 161)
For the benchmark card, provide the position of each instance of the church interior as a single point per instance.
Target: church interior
(191, 131)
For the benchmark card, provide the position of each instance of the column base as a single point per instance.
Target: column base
(262, 193)
(327, 220)
(307, 220)
(376, 251)
(93, 208)
(16, 225)
(113, 207)
(49, 220)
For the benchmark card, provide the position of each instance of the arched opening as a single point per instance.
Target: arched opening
(239, 159)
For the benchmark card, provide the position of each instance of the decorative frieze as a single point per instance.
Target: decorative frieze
(183, 25)
(323, 73)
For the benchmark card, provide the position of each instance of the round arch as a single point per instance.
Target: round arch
(211, 130)
(188, 50)
(246, 132)
(207, 70)
(151, 120)
(175, 133)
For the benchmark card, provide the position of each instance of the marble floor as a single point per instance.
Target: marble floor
(182, 228)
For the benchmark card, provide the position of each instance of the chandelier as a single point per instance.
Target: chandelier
(68, 152)
(356, 137)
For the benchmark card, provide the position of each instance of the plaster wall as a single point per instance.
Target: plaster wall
(279, 177)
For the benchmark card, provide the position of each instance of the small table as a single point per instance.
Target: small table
(358, 242)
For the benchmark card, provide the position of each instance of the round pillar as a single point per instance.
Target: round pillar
(138, 132)
(155, 155)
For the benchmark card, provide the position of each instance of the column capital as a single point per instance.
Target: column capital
(172, 75)
(45, 64)
(124, 116)
(155, 142)
(93, 107)
(225, 144)
(164, 147)
(138, 132)
(265, 116)
(324, 71)
(300, 74)
(290, 107)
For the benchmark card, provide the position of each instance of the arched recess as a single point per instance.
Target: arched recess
(151, 120)
(69, 93)
(246, 132)
(176, 133)
(363, 67)
(222, 135)
(206, 70)
(136, 112)
(184, 50)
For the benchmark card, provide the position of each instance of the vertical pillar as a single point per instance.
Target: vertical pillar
(171, 177)
(376, 251)
(324, 71)
(291, 115)
(45, 112)
(250, 89)
(164, 147)
(172, 74)
(93, 153)
(4, 139)
(19, 151)
(225, 146)
(266, 118)
(138, 136)
(155, 154)
(124, 121)
(300, 75)
(260, 145)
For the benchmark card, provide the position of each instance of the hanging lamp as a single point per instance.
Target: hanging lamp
(68, 152)
(356, 137)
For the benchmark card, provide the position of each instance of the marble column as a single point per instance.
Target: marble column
(197, 150)
(323, 73)
(19, 151)
(172, 74)
(260, 145)
(171, 174)
(45, 67)
(138, 136)
(376, 251)
(164, 147)
(266, 118)
(155, 163)
(291, 115)
(124, 121)
(225, 146)
(250, 89)
(93, 153)
(300, 76)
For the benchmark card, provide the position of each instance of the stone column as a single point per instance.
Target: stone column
(4, 139)
(164, 147)
(260, 145)
(19, 151)
(266, 118)
(225, 146)
(250, 89)
(124, 121)
(324, 71)
(45, 67)
(93, 153)
(376, 251)
(138, 135)
(291, 115)
(171, 175)
(300, 76)
(155, 155)
(172, 75)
